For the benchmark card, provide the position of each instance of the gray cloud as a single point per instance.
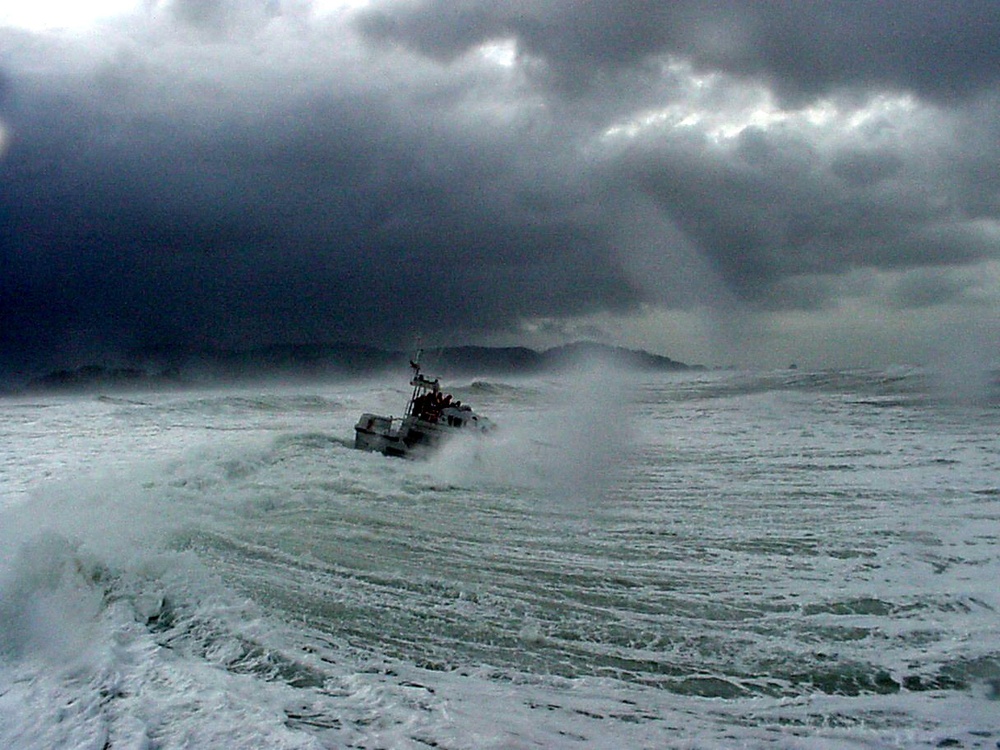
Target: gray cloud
(235, 174)
(802, 49)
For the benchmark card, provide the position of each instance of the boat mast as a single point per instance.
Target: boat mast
(415, 364)
(419, 382)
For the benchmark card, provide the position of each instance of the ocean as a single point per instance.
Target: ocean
(691, 560)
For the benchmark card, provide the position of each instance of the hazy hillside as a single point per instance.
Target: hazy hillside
(303, 361)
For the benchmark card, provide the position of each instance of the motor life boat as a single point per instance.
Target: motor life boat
(431, 418)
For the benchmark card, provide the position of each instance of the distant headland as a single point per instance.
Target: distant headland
(156, 369)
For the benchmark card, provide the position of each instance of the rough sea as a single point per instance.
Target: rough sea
(699, 560)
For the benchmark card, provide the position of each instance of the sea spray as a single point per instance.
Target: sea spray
(50, 596)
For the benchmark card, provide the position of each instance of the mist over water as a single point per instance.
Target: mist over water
(965, 370)
(698, 560)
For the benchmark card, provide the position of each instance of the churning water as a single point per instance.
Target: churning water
(702, 560)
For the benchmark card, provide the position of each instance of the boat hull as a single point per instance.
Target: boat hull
(410, 437)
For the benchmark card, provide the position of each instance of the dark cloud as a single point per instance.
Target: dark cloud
(141, 219)
(927, 289)
(235, 173)
(865, 168)
(803, 49)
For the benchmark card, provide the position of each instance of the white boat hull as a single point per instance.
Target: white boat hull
(410, 437)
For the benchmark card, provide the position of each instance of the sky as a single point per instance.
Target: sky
(726, 183)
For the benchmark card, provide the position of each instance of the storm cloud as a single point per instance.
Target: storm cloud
(234, 174)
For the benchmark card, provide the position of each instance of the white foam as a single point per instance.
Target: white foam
(224, 572)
